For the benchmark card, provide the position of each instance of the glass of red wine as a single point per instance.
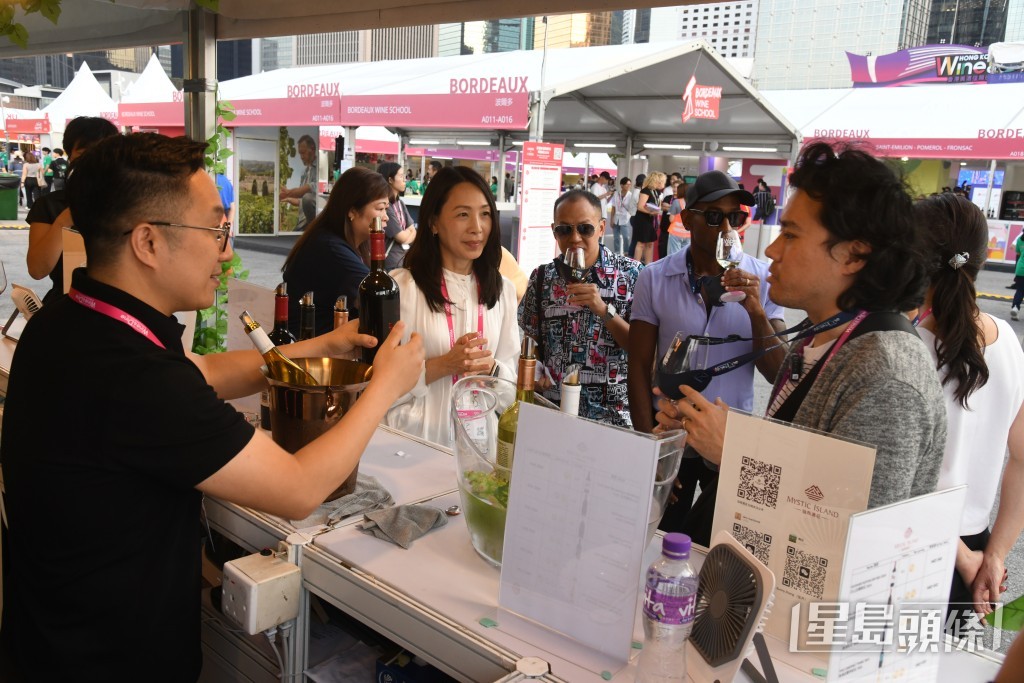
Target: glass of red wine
(575, 263)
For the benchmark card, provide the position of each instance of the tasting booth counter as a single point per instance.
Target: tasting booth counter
(430, 598)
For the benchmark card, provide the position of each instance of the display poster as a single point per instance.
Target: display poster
(1002, 235)
(890, 622)
(278, 181)
(578, 516)
(787, 495)
(541, 185)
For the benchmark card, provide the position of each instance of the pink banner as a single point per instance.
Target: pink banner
(327, 144)
(940, 148)
(296, 111)
(30, 126)
(151, 114)
(508, 111)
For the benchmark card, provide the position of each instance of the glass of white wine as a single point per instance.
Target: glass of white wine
(729, 253)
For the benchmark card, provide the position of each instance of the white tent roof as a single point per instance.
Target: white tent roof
(595, 95)
(925, 111)
(153, 85)
(84, 96)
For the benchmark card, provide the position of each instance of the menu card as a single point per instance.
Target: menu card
(579, 507)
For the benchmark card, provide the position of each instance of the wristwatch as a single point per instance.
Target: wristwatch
(610, 313)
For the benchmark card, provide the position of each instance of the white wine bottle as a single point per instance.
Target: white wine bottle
(508, 423)
(281, 367)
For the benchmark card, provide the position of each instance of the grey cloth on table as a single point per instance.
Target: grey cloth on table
(403, 524)
(369, 495)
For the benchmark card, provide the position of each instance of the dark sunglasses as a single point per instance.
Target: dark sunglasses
(584, 229)
(714, 217)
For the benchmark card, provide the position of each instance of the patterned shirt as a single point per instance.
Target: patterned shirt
(574, 335)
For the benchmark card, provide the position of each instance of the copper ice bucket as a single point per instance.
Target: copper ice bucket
(299, 414)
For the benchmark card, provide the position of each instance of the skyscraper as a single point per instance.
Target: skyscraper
(730, 27)
(803, 43)
(583, 29)
(1015, 21)
(967, 22)
(479, 37)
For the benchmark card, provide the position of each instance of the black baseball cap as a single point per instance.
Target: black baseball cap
(714, 185)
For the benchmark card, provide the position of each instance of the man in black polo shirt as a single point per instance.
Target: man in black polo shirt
(113, 432)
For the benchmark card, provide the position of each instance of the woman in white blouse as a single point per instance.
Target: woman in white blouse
(455, 298)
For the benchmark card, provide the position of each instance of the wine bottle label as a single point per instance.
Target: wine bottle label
(377, 246)
(672, 610)
(503, 458)
(260, 340)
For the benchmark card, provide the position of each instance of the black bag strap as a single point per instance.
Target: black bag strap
(879, 321)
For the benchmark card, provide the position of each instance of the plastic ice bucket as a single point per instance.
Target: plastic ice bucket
(299, 414)
(477, 402)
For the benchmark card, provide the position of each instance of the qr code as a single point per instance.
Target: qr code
(757, 543)
(805, 572)
(759, 482)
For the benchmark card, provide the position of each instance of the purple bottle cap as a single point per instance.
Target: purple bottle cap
(676, 545)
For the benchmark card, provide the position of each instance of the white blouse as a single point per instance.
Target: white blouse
(425, 411)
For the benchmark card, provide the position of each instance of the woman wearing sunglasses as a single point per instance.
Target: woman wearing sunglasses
(455, 298)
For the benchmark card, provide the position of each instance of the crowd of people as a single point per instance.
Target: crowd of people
(893, 353)
(40, 172)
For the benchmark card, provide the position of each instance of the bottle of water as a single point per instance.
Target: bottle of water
(670, 597)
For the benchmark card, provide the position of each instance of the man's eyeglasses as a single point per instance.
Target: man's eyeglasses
(714, 217)
(222, 237)
(584, 229)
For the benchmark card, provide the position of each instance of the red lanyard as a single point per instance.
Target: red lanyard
(451, 324)
(115, 313)
(835, 349)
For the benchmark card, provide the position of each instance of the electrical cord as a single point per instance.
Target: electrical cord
(286, 638)
(271, 634)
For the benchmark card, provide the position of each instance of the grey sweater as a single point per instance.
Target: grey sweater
(882, 389)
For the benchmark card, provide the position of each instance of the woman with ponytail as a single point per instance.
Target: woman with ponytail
(981, 365)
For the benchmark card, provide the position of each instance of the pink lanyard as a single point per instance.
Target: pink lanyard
(451, 324)
(835, 349)
(115, 313)
(400, 216)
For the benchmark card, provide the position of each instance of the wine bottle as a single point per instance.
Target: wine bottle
(340, 311)
(508, 423)
(281, 335)
(570, 390)
(379, 306)
(281, 367)
(307, 317)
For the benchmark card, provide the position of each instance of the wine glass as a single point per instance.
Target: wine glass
(685, 363)
(575, 263)
(729, 253)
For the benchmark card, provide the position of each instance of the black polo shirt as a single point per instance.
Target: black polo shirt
(105, 437)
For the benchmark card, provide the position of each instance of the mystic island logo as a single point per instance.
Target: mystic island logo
(814, 493)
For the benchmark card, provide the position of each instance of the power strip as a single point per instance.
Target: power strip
(260, 591)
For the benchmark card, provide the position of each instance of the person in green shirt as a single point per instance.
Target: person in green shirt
(47, 172)
(1018, 279)
(4, 159)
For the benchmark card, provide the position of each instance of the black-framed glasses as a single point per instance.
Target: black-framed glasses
(584, 229)
(714, 217)
(222, 238)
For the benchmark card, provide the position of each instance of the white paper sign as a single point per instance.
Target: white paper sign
(541, 183)
(895, 584)
(787, 494)
(578, 512)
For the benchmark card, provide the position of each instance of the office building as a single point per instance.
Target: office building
(803, 43)
(479, 37)
(967, 22)
(582, 29)
(1014, 21)
(729, 27)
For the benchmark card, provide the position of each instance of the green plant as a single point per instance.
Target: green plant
(50, 9)
(212, 323)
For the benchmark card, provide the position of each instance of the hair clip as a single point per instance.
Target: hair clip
(959, 260)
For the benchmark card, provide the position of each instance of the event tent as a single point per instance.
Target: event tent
(613, 98)
(944, 121)
(152, 85)
(84, 96)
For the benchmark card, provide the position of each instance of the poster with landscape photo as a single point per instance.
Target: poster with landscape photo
(257, 180)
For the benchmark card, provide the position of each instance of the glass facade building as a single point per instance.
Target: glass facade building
(967, 22)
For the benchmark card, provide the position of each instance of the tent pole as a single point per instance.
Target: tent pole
(403, 140)
(540, 95)
(629, 158)
(991, 184)
(501, 168)
(200, 82)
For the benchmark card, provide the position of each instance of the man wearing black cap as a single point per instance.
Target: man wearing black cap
(681, 293)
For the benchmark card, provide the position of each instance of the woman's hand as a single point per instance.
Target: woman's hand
(703, 421)
(467, 357)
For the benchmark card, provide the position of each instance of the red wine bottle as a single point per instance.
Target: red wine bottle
(307, 317)
(280, 334)
(379, 306)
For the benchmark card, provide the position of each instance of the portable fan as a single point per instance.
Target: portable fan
(733, 596)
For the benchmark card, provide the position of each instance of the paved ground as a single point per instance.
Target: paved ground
(264, 257)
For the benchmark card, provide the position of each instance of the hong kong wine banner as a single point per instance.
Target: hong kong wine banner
(787, 495)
